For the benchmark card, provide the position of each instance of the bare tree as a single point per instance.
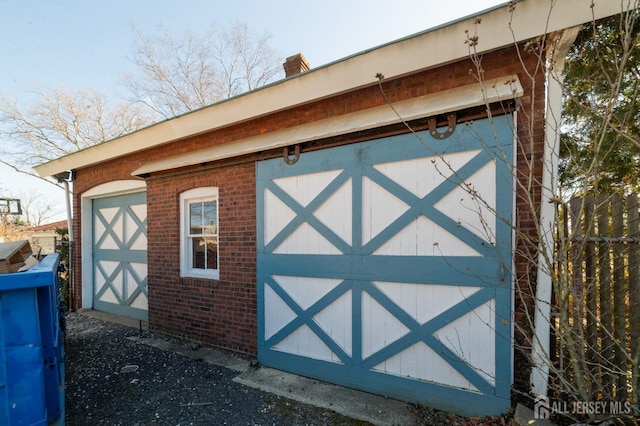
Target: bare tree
(587, 336)
(174, 75)
(34, 210)
(180, 74)
(590, 260)
(58, 122)
(37, 210)
(12, 228)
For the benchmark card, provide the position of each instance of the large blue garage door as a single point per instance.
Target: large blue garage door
(385, 266)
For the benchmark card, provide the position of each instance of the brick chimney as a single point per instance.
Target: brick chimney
(295, 65)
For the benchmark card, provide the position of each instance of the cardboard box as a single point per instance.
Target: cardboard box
(13, 255)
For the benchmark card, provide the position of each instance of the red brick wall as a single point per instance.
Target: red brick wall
(223, 312)
(220, 312)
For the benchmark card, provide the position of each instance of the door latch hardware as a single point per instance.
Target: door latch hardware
(452, 119)
(286, 155)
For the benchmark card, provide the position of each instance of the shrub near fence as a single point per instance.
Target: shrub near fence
(597, 300)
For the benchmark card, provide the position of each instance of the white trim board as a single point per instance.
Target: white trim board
(499, 89)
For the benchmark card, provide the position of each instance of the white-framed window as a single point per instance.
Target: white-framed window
(199, 233)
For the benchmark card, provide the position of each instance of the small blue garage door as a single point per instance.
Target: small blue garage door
(385, 266)
(120, 255)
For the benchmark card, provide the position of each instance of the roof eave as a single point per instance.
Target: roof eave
(495, 29)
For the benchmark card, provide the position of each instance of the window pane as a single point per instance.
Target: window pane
(212, 253)
(210, 217)
(195, 218)
(205, 253)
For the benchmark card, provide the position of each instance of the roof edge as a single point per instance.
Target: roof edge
(483, 93)
(495, 28)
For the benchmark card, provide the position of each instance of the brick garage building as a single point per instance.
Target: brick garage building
(306, 223)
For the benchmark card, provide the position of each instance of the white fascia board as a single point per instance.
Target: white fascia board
(497, 28)
(472, 95)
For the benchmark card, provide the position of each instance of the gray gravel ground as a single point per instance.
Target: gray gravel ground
(113, 377)
(167, 388)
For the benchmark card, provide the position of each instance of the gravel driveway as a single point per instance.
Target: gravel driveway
(114, 379)
(118, 375)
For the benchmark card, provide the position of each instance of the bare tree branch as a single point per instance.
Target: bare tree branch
(58, 122)
(180, 74)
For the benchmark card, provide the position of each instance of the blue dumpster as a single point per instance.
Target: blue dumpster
(31, 346)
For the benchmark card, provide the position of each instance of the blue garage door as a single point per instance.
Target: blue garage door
(385, 266)
(120, 255)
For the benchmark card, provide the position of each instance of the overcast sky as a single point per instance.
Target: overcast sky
(82, 43)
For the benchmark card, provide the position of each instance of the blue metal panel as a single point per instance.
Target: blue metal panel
(52, 349)
(23, 349)
(358, 267)
(31, 353)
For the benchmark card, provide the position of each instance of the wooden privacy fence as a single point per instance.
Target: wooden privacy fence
(597, 298)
